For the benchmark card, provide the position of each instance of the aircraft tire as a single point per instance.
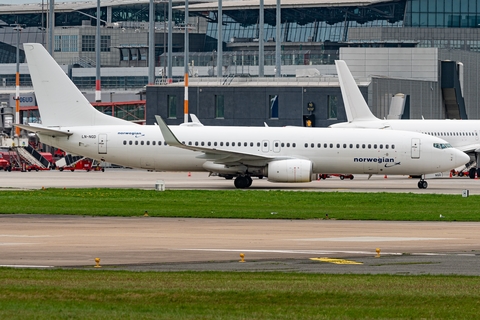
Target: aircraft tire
(422, 184)
(471, 173)
(342, 177)
(241, 182)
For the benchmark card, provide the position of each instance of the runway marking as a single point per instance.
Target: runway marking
(336, 261)
(23, 236)
(22, 266)
(16, 243)
(371, 239)
(316, 252)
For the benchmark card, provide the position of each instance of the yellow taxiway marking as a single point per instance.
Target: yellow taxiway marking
(336, 261)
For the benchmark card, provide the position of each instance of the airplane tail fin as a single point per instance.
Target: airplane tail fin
(59, 100)
(355, 105)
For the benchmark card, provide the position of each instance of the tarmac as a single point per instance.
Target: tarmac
(174, 244)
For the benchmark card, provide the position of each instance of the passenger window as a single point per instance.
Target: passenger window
(124, 142)
(215, 143)
(319, 145)
(306, 145)
(331, 145)
(393, 146)
(148, 143)
(288, 145)
(386, 146)
(142, 143)
(264, 144)
(294, 145)
(344, 146)
(338, 145)
(153, 143)
(283, 144)
(374, 146)
(381, 146)
(276, 144)
(251, 144)
(165, 143)
(221, 144)
(233, 144)
(357, 146)
(227, 144)
(202, 143)
(130, 142)
(363, 146)
(369, 146)
(209, 143)
(258, 144)
(351, 146)
(312, 145)
(136, 143)
(160, 143)
(325, 145)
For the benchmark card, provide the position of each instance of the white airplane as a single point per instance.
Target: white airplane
(461, 134)
(285, 154)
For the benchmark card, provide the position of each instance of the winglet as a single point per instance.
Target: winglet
(168, 135)
(355, 105)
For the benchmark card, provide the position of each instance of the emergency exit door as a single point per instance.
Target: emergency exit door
(102, 143)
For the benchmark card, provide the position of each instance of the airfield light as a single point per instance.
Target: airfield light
(97, 263)
(378, 253)
(242, 257)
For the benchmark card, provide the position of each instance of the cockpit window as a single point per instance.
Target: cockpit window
(442, 145)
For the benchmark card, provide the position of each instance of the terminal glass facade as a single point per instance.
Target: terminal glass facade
(443, 13)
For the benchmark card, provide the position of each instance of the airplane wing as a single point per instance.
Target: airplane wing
(35, 128)
(214, 154)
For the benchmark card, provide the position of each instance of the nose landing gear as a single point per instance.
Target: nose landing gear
(422, 184)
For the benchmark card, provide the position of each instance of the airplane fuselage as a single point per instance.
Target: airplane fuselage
(329, 150)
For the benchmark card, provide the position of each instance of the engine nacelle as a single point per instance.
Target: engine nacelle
(292, 170)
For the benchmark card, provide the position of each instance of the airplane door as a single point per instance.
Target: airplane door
(265, 146)
(276, 146)
(102, 143)
(415, 148)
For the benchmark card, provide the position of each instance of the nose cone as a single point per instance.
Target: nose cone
(460, 158)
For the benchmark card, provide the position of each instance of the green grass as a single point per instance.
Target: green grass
(242, 204)
(101, 294)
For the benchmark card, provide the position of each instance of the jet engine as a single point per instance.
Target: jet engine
(291, 170)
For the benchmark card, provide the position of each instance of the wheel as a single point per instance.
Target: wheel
(241, 182)
(36, 169)
(471, 173)
(351, 177)
(72, 170)
(61, 169)
(460, 174)
(342, 177)
(422, 184)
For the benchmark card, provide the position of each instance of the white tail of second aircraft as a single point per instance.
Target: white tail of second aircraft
(62, 103)
(355, 105)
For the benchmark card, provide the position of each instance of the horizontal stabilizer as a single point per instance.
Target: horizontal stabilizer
(43, 130)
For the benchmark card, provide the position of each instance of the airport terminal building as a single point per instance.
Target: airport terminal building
(424, 51)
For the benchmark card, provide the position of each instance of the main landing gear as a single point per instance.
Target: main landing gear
(422, 184)
(242, 182)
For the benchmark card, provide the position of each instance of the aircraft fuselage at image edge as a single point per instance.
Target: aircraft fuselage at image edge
(461, 134)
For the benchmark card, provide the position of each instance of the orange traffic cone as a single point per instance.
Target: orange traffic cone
(385, 177)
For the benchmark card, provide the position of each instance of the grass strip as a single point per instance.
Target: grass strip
(102, 294)
(243, 204)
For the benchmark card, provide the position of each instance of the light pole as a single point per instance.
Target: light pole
(18, 28)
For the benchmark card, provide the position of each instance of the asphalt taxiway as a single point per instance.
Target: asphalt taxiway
(163, 244)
